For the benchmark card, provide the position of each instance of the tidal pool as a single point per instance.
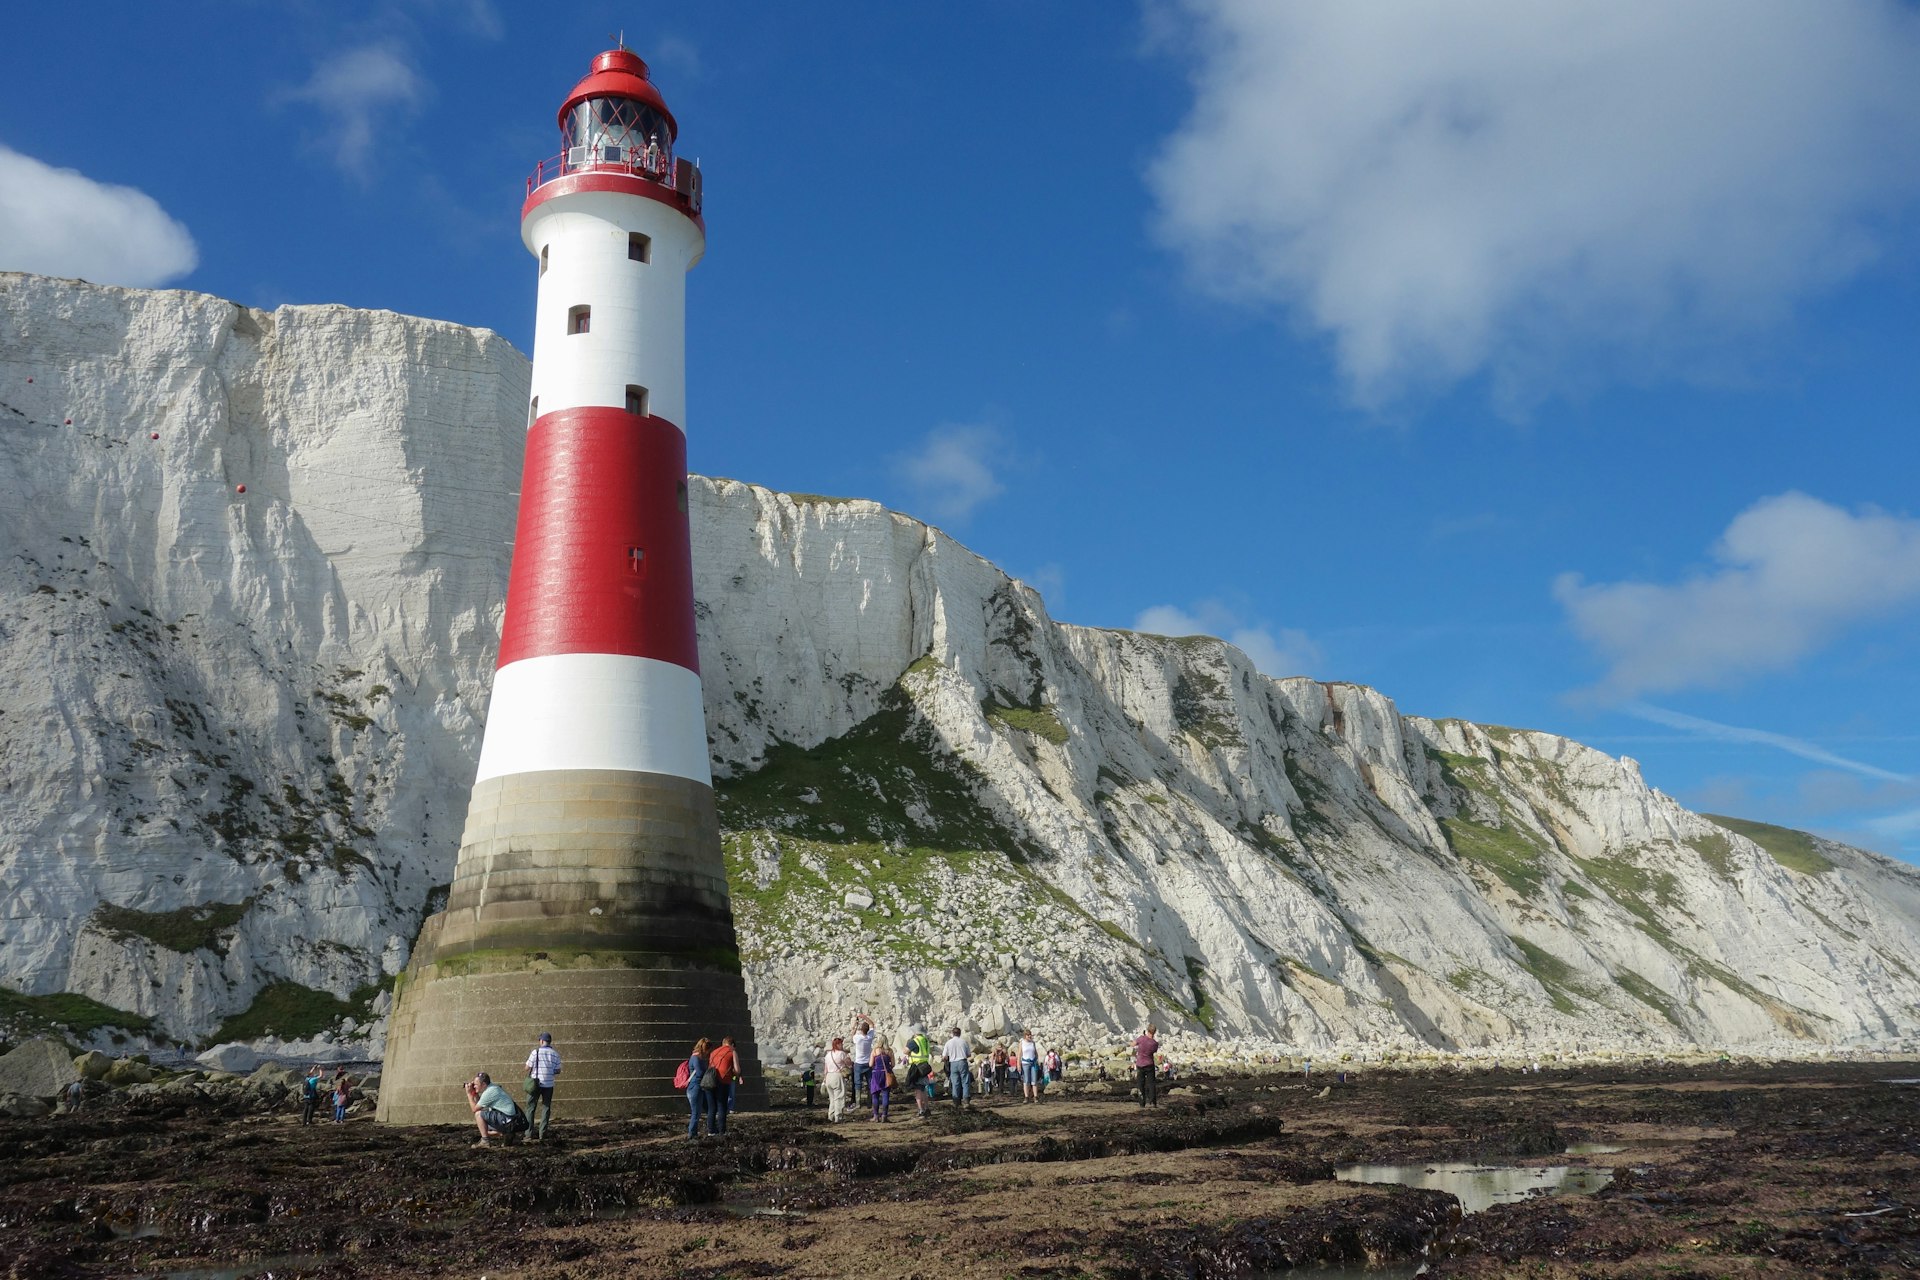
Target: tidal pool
(1480, 1186)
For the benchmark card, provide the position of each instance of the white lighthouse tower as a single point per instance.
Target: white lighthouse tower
(589, 899)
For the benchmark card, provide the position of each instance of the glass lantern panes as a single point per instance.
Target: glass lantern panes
(619, 131)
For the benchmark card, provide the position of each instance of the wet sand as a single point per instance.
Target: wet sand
(1789, 1171)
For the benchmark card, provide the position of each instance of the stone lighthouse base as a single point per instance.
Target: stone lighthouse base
(621, 1031)
(591, 904)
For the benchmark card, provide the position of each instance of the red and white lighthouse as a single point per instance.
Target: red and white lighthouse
(589, 899)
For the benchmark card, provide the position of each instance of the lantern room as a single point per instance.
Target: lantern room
(616, 117)
(616, 123)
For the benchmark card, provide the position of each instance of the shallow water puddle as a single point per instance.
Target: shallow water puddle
(1480, 1186)
(1405, 1271)
(294, 1264)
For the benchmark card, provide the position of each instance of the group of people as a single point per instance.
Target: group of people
(711, 1078)
(497, 1115)
(316, 1086)
(869, 1070)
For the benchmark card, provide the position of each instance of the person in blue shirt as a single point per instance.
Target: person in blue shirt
(310, 1094)
(494, 1111)
(701, 1101)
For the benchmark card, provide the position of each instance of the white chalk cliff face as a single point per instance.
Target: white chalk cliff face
(237, 731)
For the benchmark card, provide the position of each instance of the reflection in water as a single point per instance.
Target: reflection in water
(1478, 1186)
(1592, 1149)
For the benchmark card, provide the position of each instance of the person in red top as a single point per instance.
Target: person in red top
(1144, 1050)
(728, 1067)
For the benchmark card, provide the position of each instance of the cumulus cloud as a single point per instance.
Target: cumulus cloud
(1792, 574)
(1499, 186)
(1283, 651)
(953, 470)
(58, 222)
(355, 90)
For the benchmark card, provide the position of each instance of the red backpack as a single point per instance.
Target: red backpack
(683, 1075)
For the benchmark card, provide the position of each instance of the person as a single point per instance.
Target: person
(342, 1095)
(920, 1070)
(1053, 1065)
(310, 1094)
(1029, 1067)
(862, 1058)
(699, 1093)
(807, 1082)
(74, 1097)
(999, 1066)
(543, 1064)
(959, 1070)
(880, 1080)
(494, 1112)
(727, 1068)
(839, 1066)
(1144, 1050)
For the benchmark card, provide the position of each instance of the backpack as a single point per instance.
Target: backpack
(310, 1089)
(710, 1078)
(684, 1075)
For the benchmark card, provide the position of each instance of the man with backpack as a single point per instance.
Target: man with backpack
(310, 1094)
(920, 1070)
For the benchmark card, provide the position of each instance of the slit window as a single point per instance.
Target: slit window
(639, 247)
(636, 560)
(543, 259)
(680, 492)
(637, 400)
(579, 319)
(533, 411)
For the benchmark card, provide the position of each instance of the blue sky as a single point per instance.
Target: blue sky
(1550, 366)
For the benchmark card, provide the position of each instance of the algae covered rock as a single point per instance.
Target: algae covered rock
(37, 1069)
(93, 1065)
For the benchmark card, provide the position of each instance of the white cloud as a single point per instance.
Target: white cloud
(358, 89)
(1286, 651)
(953, 470)
(1714, 731)
(58, 222)
(1537, 191)
(1793, 573)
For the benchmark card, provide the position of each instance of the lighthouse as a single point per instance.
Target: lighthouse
(589, 899)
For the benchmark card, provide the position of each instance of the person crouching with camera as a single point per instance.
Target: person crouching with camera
(494, 1112)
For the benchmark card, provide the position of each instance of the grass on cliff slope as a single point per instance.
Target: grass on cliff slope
(287, 1010)
(186, 930)
(884, 805)
(1505, 851)
(1038, 721)
(1555, 975)
(79, 1014)
(1793, 850)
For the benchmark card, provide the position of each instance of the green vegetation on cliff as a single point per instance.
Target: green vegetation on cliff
(1792, 849)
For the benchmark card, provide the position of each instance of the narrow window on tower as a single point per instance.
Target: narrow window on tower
(579, 319)
(636, 560)
(637, 400)
(639, 247)
(543, 259)
(681, 494)
(533, 411)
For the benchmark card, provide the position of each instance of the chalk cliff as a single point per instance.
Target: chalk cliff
(237, 731)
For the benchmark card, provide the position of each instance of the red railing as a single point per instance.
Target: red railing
(679, 176)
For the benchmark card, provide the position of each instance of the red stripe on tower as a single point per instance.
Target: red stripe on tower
(602, 561)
